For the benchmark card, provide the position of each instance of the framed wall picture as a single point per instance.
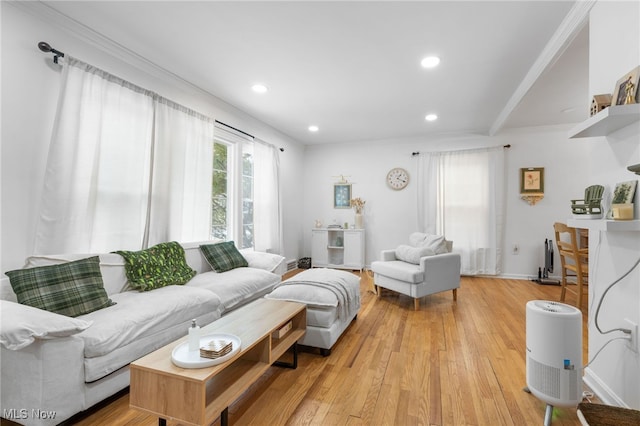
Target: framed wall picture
(627, 87)
(623, 194)
(341, 195)
(532, 180)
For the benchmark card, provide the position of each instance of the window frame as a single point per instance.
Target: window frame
(236, 145)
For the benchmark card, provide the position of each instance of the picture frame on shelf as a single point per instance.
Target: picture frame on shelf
(622, 86)
(341, 195)
(622, 194)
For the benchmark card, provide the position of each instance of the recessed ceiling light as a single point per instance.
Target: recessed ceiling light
(430, 61)
(431, 117)
(259, 88)
(313, 128)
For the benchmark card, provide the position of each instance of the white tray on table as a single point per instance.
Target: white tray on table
(182, 357)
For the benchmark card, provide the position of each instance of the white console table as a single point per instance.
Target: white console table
(337, 248)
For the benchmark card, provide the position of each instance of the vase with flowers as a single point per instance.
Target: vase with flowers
(358, 205)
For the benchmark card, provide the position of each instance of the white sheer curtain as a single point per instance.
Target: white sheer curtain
(267, 216)
(461, 195)
(103, 188)
(180, 206)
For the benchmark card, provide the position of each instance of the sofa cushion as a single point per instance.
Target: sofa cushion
(237, 286)
(71, 289)
(399, 270)
(138, 323)
(111, 268)
(413, 254)
(22, 324)
(223, 256)
(158, 266)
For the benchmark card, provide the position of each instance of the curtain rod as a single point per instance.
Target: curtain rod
(413, 154)
(240, 131)
(237, 130)
(45, 47)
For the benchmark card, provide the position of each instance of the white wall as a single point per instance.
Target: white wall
(29, 94)
(614, 50)
(390, 216)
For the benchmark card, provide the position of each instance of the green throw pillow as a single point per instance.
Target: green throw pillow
(223, 256)
(158, 266)
(72, 288)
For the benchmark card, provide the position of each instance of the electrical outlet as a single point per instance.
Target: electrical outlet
(633, 343)
(515, 249)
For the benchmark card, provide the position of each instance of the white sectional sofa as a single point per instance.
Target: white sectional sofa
(56, 366)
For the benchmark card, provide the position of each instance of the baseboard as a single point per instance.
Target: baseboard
(601, 390)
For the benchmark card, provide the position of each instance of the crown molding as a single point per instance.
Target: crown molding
(49, 14)
(575, 20)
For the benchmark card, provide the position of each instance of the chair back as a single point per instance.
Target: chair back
(567, 243)
(593, 193)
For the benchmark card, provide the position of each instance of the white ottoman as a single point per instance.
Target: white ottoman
(333, 301)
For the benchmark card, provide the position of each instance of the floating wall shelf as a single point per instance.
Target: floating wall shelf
(607, 121)
(605, 225)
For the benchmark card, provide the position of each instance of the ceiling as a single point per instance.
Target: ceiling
(353, 68)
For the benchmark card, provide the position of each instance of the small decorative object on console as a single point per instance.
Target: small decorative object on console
(216, 349)
(279, 333)
(590, 206)
(599, 103)
(622, 202)
(626, 89)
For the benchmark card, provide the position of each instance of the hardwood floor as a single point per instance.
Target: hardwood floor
(450, 363)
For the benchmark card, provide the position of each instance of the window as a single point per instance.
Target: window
(247, 196)
(219, 225)
(232, 203)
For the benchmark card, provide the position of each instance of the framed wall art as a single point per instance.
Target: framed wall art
(532, 180)
(341, 195)
(532, 184)
(626, 90)
(623, 199)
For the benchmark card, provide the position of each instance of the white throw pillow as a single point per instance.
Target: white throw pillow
(413, 254)
(262, 260)
(435, 242)
(22, 324)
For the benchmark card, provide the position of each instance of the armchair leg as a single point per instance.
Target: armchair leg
(455, 294)
(416, 304)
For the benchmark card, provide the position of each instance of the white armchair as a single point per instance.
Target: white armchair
(425, 267)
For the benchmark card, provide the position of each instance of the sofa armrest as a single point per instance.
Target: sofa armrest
(46, 376)
(388, 255)
(262, 260)
(21, 325)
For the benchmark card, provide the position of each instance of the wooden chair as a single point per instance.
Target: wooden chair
(574, 261)
(592, 202)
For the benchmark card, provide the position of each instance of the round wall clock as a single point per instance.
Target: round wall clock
(397, 178)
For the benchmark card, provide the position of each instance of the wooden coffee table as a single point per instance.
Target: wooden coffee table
(199, 396)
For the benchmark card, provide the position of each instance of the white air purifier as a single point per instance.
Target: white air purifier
(554, 354)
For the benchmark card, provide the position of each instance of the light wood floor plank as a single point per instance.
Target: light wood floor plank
(449, 363)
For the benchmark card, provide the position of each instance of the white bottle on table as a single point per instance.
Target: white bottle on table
(194, 336)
